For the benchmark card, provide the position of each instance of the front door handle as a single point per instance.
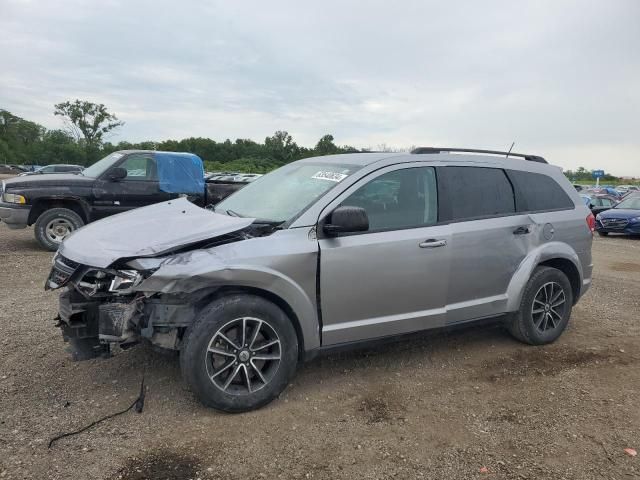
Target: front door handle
(523, 230)
(432, 243)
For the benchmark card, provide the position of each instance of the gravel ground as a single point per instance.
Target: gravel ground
(466, 404)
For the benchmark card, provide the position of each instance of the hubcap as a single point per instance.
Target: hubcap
(58, 228)
(243, 356)
(548, 308)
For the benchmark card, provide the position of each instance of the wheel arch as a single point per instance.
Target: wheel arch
(570, 270)
(553, 254)
(219, 280)
(273, 298)
(41, 205)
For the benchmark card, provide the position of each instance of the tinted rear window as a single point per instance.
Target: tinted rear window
(474, 192)
(537, 192)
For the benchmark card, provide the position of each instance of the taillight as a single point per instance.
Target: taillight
(591, 222)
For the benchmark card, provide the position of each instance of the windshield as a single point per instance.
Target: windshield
(631, 203)
(284, 193)
(101, 166)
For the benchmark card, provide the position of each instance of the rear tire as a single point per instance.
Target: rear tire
(239, 354)
(54, 225)
(545, 308)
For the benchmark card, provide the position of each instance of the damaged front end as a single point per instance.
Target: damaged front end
(97, 307)
(102, 307)
(100, 270)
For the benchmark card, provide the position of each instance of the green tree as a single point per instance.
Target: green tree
(281, 147)
(87, 122)
(325, 146)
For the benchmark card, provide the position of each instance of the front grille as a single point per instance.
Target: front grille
(62, 270)
(620, 223)
(65, 262)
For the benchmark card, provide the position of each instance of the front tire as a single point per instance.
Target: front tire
(239, 354)
(545, 308)
(54, 225)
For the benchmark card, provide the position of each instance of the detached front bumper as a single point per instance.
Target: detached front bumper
(89, 326)
(15, 216)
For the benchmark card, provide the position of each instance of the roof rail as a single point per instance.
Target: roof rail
(426, 150)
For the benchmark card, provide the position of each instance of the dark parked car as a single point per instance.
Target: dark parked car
(623, 218)
(57, 168)
(600, 203)
(59, 204)
(222, 184)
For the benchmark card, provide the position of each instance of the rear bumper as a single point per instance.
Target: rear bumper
(15, 216)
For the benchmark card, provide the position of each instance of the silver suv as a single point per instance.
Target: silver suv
(325, 252)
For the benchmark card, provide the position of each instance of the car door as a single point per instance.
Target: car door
(391, 279)
(488, 239)
(601, 204)
(139, 188)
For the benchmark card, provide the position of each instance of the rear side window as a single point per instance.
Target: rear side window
(474, 192)
(536, 192)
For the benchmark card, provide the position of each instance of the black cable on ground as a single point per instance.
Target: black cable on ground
(138, 404)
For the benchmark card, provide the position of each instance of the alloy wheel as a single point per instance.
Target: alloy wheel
(548, 307)
(243, 356)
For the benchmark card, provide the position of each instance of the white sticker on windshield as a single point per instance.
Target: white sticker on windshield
(331, 176)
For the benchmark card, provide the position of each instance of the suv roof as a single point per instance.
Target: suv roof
(429, 154)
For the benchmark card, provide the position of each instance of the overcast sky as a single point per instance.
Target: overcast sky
(560, 78)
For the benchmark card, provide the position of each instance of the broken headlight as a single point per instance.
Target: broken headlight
(108, 282)
(125, 281)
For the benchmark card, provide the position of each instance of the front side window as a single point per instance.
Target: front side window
(475, 192)
(399, 199)
(139, 167)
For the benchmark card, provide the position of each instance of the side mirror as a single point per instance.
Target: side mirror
(116, 174)
(591, 206)
(347, 220)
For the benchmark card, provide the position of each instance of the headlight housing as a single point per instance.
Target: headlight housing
(598, 217)
(125, 281)
(101, 283)
(14, 198)
(634, 219)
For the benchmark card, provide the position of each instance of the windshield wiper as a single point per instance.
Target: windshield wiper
(265, 221)
(231, 213)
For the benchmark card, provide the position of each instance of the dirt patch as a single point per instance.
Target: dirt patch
(544, 362)
(383, 407)
(625, 267)
(160, 465)
(507, 415)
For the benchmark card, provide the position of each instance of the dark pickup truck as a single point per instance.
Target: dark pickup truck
(59, 204)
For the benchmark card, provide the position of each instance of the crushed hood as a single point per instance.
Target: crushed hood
(147, 232)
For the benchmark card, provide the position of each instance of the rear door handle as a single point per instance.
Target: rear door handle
(432, 243)
(523, 230)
